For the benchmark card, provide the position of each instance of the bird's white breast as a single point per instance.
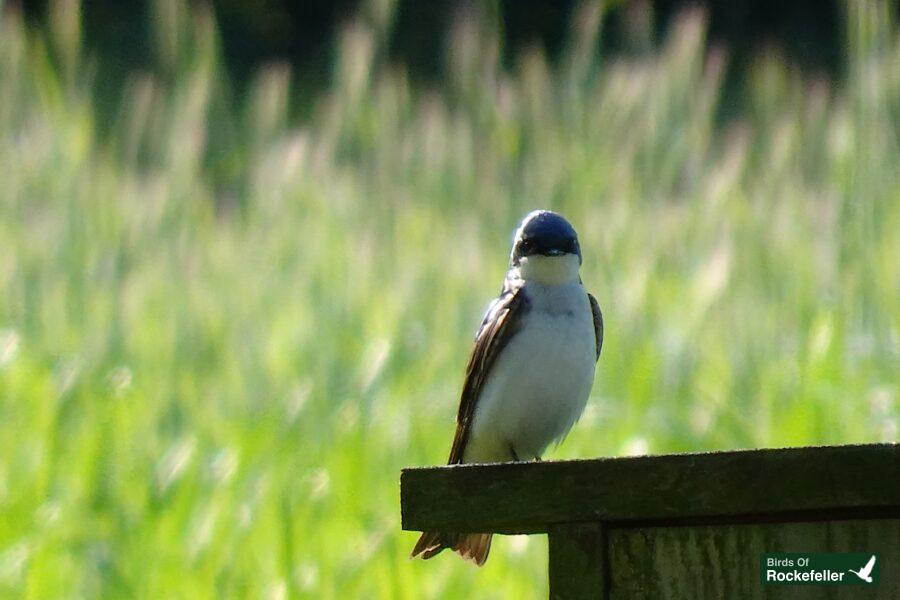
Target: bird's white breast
(541, 380)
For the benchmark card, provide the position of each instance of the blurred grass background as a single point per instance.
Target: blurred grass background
(224, 331)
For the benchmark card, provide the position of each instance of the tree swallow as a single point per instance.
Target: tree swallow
(531, 370)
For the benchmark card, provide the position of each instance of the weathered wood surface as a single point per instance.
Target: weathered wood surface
(578, 561)
(792, 484)
(722, 561)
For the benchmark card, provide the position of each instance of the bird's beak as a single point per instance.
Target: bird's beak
(553, 252)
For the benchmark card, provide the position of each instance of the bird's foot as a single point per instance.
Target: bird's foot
(512, 452)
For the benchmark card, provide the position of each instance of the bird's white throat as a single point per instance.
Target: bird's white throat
(549, 270)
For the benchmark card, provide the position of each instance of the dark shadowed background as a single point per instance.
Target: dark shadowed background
(807, 32)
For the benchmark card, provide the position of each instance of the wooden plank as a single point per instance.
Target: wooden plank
(722, 561)
(814, 483)
(578, 561)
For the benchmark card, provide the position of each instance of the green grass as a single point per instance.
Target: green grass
(223, 332)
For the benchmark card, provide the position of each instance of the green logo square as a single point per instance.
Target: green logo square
(819, 568)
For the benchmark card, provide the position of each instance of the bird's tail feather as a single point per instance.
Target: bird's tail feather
(471, 546)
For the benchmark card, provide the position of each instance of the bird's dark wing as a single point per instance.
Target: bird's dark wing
(501, 322)
(598, 323)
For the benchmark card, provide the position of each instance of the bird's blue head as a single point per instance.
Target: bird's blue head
(544, 233)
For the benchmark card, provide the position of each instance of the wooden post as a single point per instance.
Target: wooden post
(578, 561)
(678, 526)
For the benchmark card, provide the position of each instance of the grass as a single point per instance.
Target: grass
(223, 332)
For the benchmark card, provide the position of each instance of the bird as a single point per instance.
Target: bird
(532, 366)
(866, 572)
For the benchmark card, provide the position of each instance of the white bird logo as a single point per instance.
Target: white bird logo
(866, 572)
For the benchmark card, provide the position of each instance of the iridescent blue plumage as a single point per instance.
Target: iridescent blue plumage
(547, 233)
